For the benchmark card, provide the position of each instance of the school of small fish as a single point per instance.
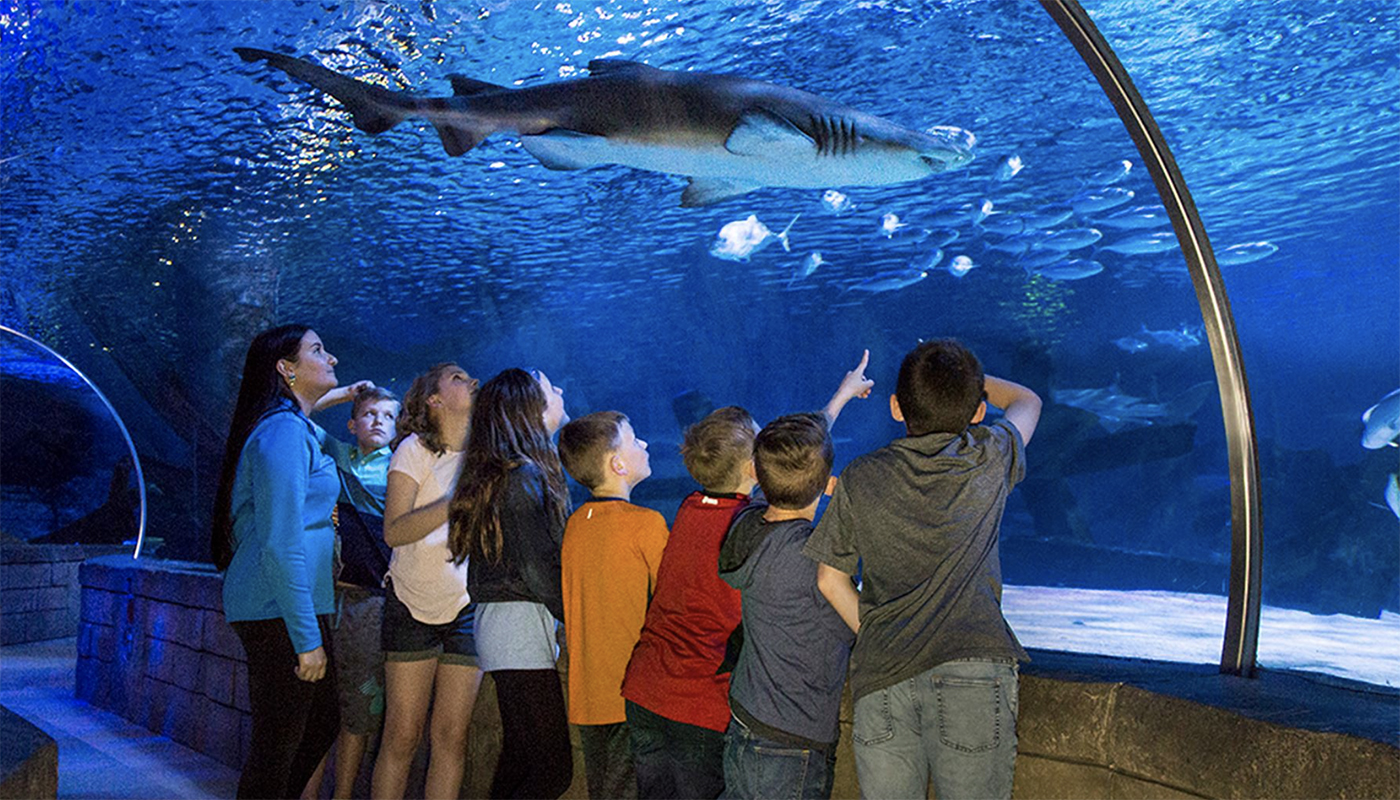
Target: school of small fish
(1055, 241)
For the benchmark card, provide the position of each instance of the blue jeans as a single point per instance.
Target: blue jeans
(761, 769)
(955, 723)
(673, 759)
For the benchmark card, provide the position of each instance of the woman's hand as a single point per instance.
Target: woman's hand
(311, 665)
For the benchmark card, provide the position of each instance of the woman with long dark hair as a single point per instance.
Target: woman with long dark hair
(273, 539)
(429, 652)
(508, 517)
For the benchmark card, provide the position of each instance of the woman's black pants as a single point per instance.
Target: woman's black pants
(294, 722)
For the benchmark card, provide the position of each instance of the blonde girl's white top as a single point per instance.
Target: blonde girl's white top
(423, 576)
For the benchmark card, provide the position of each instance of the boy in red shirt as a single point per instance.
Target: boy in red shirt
(611, 555)
(677, 700)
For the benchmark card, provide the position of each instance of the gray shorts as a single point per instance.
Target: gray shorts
(359, 661)
(515, 635)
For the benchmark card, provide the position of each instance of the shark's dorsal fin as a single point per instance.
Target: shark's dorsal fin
(762, 131)
(462, 86)
(705, 191)
(609, 67)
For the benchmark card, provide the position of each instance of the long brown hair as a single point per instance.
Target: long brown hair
(508, 431)
(259, 389)
(416, 416)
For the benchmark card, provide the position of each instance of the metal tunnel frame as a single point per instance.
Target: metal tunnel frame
(121, 426)
(1242, 613)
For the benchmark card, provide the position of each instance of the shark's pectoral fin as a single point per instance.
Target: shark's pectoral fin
(462, 86)
(605, 67)
(707, 191)
(561, 148)
(457, 139)
(761, 132)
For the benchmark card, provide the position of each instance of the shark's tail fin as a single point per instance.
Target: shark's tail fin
(373, 108)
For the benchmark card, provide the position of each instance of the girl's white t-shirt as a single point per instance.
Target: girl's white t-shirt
(424, 577)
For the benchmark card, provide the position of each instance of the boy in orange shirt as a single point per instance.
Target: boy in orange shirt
(612, 551)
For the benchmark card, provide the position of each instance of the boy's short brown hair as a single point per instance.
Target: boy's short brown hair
(585, 443)
(374, 394)
(793, 457)
(716, 448)
(940, 387)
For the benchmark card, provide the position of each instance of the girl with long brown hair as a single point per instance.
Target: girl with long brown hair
(508, 518)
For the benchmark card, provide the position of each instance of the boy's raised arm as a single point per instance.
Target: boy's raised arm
(1021, 405)
(853, 385)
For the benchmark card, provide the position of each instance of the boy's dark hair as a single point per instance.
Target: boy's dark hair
(715, 448)
(793, 457)
(940, 386)
(584, 443)
(374, 394)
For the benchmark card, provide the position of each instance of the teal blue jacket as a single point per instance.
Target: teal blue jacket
(283, 494)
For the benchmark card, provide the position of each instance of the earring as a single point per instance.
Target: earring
(291, 379)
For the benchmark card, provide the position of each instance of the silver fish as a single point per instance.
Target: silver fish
(1112, 174)
(1070, 239)
(1136, 218)
(1071, 270)
(1046, 217)
(1100, 200)
(1007, 168)
(960, 266)
(1382, 422)
(1142, 243)
(1002, 224)
(891, 280)
(738, 240)
(728, 134)
(836, 203)
(1244, 253)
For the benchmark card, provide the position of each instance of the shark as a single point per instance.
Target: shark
(728, 134)
(1116, 410)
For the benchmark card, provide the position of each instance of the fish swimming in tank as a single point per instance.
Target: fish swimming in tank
(1392, 494)
(1097, 200)
(1007, 168)
(1073, 269)
(1179, 339)
(891, 280)
(960, 266)
(1246, 253)
(836, 203)
(1110, 174)
(738, 240)
(1382, 422)
(1130, 344)
(809, 265)
(1144, 243)
(890, 225)
(728, 134)
(1117, 411)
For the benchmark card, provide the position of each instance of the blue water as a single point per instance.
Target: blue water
(161, 201)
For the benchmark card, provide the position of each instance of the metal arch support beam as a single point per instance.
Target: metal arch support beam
(121, 426)
(1242, 614)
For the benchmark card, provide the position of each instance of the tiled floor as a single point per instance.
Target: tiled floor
(99, 753)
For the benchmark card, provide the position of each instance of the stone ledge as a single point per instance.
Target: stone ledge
(28, 759)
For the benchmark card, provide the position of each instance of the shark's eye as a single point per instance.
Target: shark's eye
(933, 163)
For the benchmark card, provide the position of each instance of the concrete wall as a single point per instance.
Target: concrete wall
(38, 592)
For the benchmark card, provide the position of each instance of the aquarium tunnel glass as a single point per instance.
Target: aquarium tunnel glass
(161, 201)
